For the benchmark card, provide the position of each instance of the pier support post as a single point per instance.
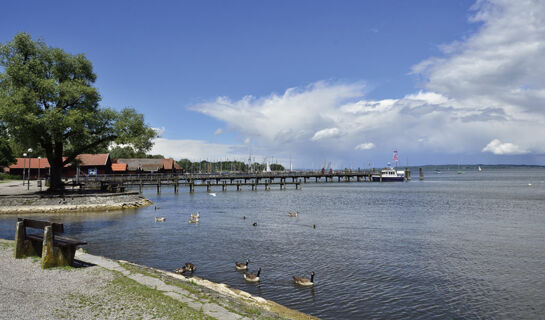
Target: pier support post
(238, 186)
(191, 186)
(175, 186)
(207, 186)
(140, 186)
(223, 187)
(305, 179)
(159, 186)
(421, 173)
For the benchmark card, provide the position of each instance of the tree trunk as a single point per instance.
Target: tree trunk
(55, 180)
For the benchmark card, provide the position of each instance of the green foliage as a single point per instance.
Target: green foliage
(7, 156)
(5, 176)
(237, 166)
(48, 103)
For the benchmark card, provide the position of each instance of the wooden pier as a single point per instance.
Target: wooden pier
(227, 180)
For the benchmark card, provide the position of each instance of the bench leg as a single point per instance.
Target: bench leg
(19, 239)
(24, 248)
(54, 256)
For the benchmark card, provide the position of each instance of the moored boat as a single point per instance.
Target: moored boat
(389, 174)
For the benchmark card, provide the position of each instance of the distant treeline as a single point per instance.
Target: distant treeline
(223, 166)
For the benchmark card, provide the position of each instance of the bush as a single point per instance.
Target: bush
(7, 176)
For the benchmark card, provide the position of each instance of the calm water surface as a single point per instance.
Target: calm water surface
(451, 246)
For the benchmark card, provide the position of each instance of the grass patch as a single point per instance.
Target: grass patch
(205, 296)
(7, 244)
(124, 298)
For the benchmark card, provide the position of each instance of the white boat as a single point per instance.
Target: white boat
(389, 174)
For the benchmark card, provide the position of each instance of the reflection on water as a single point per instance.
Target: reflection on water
(452, 246)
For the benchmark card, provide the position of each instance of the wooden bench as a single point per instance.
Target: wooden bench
(55, 250)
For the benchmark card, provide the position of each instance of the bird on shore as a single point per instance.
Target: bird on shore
(244, 217)
(241, 265)
(252, 277)
(304, 281)
(189, 267)
(254, 224)
(160, 219)
(293, 213)
(314, 226)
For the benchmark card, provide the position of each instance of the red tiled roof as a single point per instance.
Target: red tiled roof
(24, 163)
(86, 160)
(93, 159)
(119, 167)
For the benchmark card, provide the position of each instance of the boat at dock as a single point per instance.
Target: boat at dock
(389, 174)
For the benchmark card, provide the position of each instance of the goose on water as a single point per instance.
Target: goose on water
(241, 265)
(252, 277)
(293, 213)
(304, 281)
(188, 267)
(160, 219)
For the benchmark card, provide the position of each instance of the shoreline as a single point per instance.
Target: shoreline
(108, 281)
(70, 202)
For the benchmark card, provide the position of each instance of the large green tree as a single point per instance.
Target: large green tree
(47, 100)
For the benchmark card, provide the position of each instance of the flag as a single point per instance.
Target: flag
(395, 155)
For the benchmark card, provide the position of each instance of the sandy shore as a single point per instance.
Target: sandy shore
(103, 288)
(16, 198)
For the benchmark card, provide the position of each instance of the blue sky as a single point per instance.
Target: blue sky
(344, 82)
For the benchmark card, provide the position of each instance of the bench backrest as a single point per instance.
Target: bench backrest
(38, 224)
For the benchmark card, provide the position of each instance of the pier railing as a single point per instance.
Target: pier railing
(225, 179)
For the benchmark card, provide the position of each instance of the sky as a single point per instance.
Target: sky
(313, 83)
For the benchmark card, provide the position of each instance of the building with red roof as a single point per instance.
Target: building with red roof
(86, 164)
(141, 165)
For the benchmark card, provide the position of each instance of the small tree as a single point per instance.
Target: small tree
(47, 100)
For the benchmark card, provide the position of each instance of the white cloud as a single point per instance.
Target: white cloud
(365, 146)
(218, 131)
(501, 64)
(326, 134)
(497, 147)
(486, 88)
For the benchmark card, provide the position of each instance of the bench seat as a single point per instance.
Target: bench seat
(57, 240)
(54, 250)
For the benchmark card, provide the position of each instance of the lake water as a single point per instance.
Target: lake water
(452, 246)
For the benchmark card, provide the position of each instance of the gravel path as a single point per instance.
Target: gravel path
(110, 289)
(28, 292)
